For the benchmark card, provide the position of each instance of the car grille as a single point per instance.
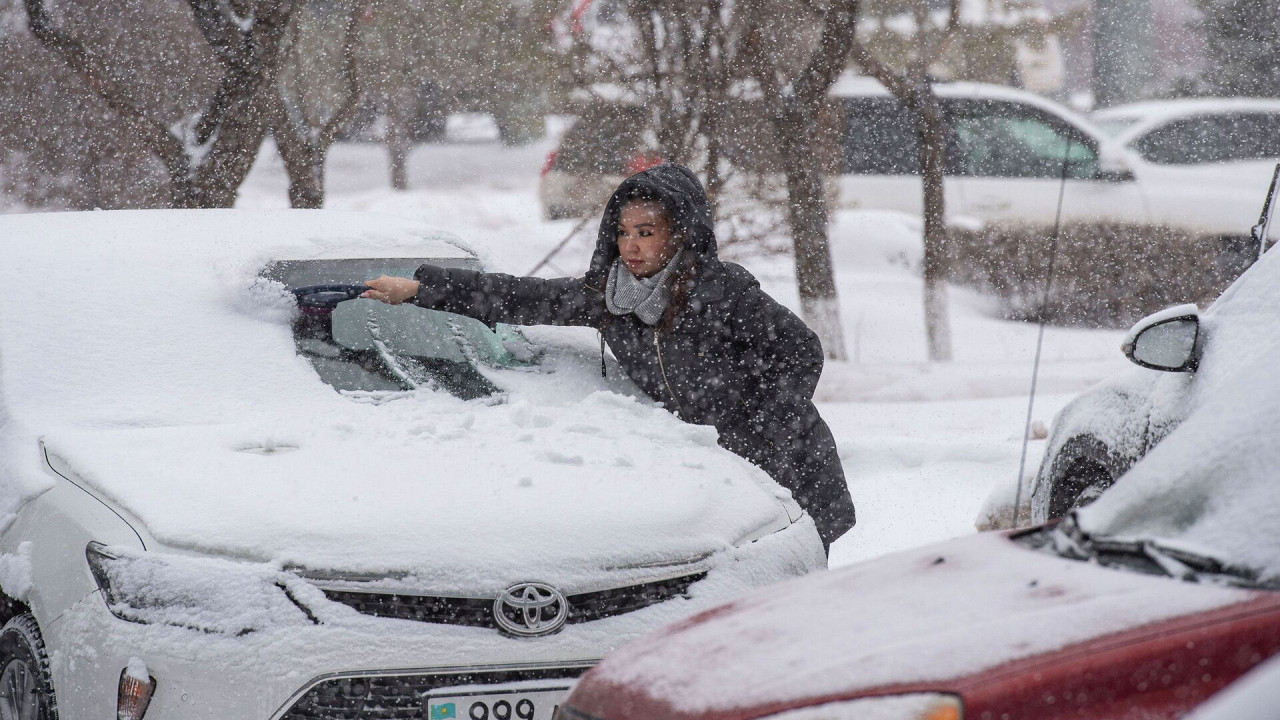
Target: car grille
(478, 612)
(400, 697)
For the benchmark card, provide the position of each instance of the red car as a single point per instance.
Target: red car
(991, 627)
(1138, 606)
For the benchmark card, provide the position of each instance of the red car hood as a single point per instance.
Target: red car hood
(926, 616)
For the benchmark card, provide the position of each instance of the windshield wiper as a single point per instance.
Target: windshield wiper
(1146, 555)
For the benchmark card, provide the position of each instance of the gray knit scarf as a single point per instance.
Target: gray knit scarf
(646, 297)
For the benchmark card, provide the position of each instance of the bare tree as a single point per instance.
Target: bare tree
(795, 105)
(208, 154)
(304, 142)
(913, 87)
(692, 64)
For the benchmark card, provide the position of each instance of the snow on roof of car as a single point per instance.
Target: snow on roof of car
(1210, 485)
(852, 85)
(1154, 113)
(149, 355)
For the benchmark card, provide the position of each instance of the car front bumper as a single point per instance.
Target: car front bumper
(305, 671)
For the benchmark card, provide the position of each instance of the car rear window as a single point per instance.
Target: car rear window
(364, 346)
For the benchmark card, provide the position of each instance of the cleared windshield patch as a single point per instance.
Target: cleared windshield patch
(364, 346)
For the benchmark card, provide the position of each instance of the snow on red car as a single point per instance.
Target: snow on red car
(1140, 605)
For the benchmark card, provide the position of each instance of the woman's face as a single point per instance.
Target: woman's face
(646, 239)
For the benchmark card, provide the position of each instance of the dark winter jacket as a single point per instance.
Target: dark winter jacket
(727, 355)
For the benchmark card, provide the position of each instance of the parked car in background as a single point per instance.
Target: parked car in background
(1198, 131)
(1185, 357)
(231, 494)
(1204, 156)
(1004, 163)
(602, 146)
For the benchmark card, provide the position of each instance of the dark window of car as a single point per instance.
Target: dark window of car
(880, 137)
(363, 346)
(1213, 138)
(1003, 139)
(601, 142)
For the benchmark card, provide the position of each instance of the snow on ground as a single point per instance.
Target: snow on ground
(923, 444)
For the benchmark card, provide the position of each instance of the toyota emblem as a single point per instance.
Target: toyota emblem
(530, 609)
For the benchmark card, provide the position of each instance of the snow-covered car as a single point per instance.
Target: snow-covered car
(1140, 605)
(224, 499)
(1184, 357)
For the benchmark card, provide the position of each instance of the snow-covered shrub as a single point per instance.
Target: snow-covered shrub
(1105, 274)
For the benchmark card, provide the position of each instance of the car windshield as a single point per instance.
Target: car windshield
(1150, 556)
(364, 346)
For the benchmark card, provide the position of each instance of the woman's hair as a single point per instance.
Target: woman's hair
(648, 195)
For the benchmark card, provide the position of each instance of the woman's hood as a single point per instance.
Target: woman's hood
(687, 199)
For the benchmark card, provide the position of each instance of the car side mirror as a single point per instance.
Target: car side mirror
(1167, 340)
(1113, 164)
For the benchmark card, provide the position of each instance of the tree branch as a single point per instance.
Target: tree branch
(893, 82)
(218, 29)
(931, 55)
(839, 23)
(93, 70)
(350, 103)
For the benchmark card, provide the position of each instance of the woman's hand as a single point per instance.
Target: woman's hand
(391, 290)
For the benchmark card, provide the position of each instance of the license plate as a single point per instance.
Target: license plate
(534, 703)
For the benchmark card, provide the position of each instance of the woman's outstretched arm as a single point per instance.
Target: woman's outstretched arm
(495, 297)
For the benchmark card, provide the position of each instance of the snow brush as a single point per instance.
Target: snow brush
(320, 299)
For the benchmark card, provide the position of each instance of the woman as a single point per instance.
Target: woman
(695, 333)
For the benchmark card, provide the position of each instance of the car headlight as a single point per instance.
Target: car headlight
(207, 594)
(916, 706)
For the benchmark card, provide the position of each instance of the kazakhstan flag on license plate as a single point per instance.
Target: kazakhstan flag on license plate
(444, 711)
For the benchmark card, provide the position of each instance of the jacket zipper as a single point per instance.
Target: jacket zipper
(661, 367)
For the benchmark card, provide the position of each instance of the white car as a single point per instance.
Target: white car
(1205, 156)
(218, 503)
(1005, 162)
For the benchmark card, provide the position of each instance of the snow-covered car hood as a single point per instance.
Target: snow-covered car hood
(931, 615)
(475, 499)
(163, 373)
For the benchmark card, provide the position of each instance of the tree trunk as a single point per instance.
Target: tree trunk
(398, 140)
(304, 164)
(807, 216)
(219, 177)
(933, 143)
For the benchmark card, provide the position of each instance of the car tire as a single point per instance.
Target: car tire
(1081, 471)
(1081, 485)
(26, 685)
